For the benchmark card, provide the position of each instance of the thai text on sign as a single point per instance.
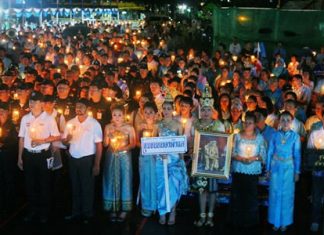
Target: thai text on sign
(163, 145)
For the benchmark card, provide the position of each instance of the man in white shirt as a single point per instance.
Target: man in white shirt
(37, 131)
(235, 47)
(84, 134)
(302, 91)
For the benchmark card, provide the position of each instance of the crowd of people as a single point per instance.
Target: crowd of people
(83, 103)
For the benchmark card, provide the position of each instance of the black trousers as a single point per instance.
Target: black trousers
(317, 196)
(82, 182)
(244, 210)
(37, 181)
(8, 171)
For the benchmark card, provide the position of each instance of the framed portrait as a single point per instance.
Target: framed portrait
(212, 155)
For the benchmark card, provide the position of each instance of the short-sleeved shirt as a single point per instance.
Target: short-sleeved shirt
(85, 135)
(40, 127)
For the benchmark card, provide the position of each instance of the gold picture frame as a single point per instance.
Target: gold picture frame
(212, 155)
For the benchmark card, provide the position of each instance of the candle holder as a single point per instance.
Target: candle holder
(15, 115)
(319, 143)
(70, 127)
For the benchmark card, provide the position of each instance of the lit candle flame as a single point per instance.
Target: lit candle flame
(15, 115)
(32, 132)
(146, 134)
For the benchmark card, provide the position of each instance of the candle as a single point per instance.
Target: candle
(322, 90)
(0, 131)
(108, 99)
(15, 115)
(120, 60)
(138, 94)
(184, 122)
(32, 133)
(113, 143)
(60, 111)
(223, 83)
(173, 58)
(127, 118)
(221, 62)
(15, 96)
(249, 150)
(319, 143)
(90, 113)
(70, 127)
(234, 58)
(174, 113)
(236, 131)
(146, 134)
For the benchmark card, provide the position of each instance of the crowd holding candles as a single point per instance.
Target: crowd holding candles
(82, 103)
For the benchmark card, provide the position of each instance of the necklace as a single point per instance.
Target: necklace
(205, 127)
(283, 138)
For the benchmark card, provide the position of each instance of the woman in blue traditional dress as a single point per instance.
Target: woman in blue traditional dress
(207, 187)
(283, 166)
(117, 176)
(177, 175)
(249, 152)
(147, 172)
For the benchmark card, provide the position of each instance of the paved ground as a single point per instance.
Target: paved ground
(137, 225)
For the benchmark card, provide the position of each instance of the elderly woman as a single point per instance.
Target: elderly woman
(283, 165)
(248, 154)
